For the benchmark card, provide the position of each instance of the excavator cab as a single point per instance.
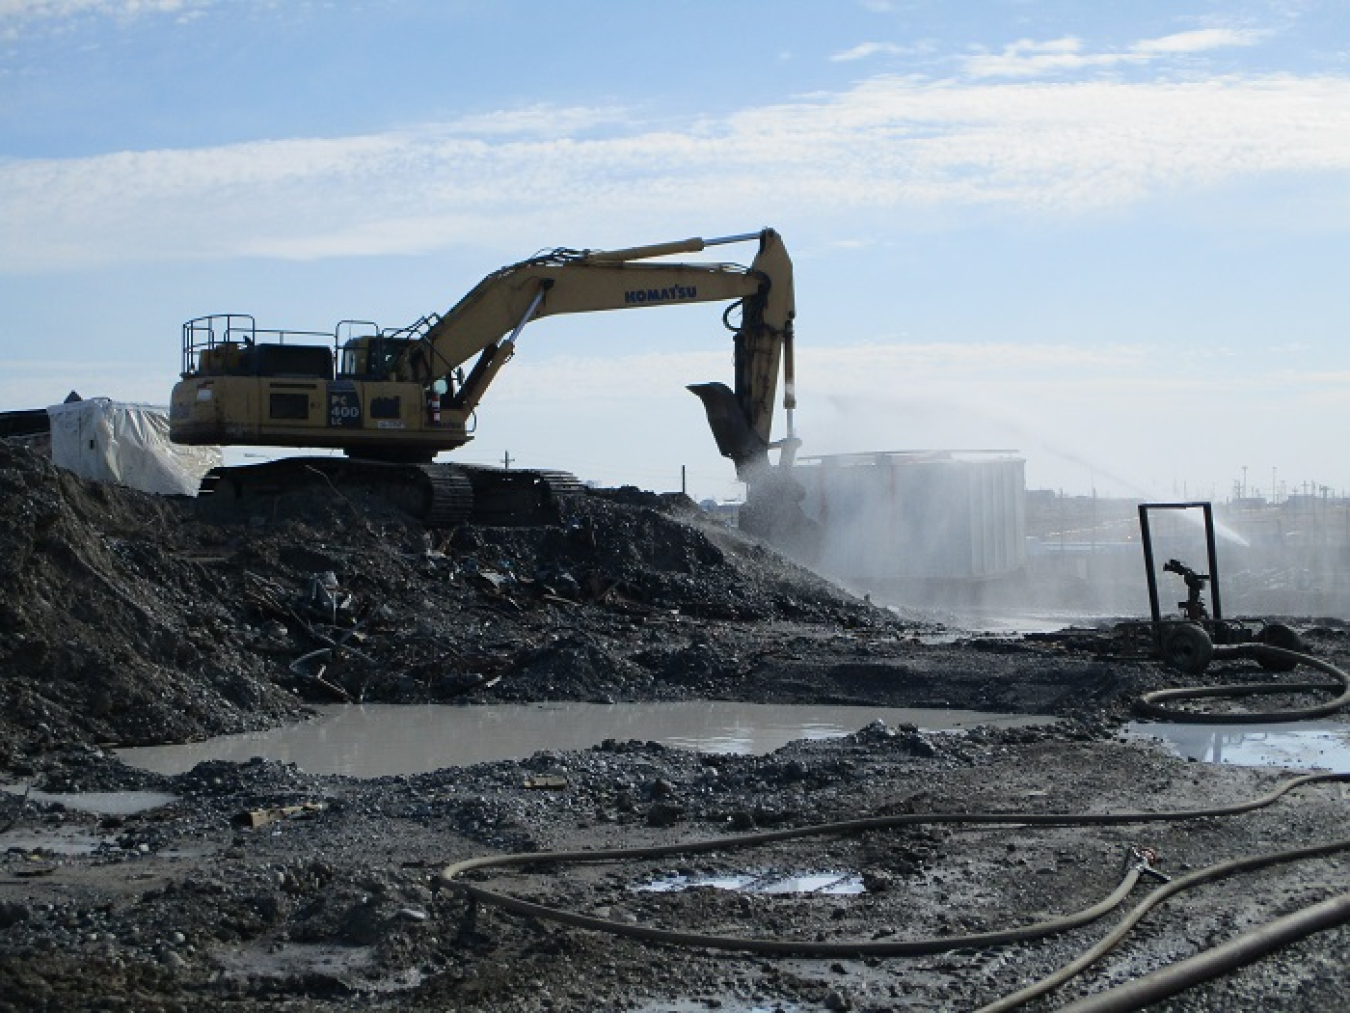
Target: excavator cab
(371, 357)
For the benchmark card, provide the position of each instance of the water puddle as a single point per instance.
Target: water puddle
(965, 623)
(53, 842)
(1298, 745)
(100, 803)
(833, 883)
(378, 740)
(351, 967)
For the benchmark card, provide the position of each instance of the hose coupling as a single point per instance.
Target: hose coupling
(1143, 858)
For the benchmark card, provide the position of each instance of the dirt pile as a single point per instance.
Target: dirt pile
(129, 618)
(114, 625)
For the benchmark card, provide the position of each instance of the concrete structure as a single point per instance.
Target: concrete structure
(909, 519)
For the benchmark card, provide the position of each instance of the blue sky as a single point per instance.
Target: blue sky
(1111, 236)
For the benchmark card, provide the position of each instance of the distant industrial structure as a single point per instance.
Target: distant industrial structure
(1290, 558)
(937, 524)
(954, 527)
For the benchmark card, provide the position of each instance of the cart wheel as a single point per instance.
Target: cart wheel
(1187, 648)
(1279, 635)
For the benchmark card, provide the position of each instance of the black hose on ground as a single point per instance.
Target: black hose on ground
(1221, 959)
(450, 876)
(805, 948)
(1149, 705)
(1251, 946)
(1113, 938)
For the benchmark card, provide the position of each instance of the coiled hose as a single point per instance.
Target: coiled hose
(1149, 704)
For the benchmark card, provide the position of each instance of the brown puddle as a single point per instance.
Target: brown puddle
(377, 740)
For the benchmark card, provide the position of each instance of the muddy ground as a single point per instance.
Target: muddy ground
(129, 620)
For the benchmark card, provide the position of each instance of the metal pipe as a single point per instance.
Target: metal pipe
(1146, 540)
(1212, 549)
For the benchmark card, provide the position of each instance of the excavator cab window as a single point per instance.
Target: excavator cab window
(371, 357)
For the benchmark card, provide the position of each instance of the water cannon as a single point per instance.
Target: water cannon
(1193, 608)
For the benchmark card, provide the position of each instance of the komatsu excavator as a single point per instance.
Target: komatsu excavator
(393, 399)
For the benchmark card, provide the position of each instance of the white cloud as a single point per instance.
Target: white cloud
(1201, 40)
(1028, 58)
(866, 49)
(30, 11)
(889, 145)
(540, 120)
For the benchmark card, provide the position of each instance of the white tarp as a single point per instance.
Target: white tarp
(126, 444)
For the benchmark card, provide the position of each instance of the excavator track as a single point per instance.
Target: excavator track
(449, 496)
(514, 496)
(439, 495)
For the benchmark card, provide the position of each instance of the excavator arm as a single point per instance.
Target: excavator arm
(485, 324)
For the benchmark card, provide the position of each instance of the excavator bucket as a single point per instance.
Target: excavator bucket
(735, 439)
(772, 509)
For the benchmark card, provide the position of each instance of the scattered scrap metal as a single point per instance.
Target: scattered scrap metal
(338, 628)
(325, 613)
(255, 818)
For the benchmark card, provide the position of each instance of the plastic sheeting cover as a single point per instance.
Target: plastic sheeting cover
(126, 444)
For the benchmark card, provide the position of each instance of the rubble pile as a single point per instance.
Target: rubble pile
(132, 619)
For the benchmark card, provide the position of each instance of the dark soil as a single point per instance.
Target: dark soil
(127, 619)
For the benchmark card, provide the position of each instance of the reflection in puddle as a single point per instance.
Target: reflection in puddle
(831, 883)
(377, 740)
(1300, 744)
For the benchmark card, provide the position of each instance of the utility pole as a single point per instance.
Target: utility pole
(506, 460)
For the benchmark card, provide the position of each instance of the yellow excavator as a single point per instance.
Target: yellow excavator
(393, 399)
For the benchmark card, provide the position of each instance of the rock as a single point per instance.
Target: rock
(664, 814)
(12, 912)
